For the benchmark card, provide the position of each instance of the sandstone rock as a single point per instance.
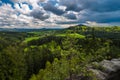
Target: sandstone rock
(111, 70)
(99, 74)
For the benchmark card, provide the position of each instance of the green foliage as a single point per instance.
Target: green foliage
(56, 55)
(69, 64)
(13, 66)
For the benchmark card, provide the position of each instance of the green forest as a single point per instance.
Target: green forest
(56, 54)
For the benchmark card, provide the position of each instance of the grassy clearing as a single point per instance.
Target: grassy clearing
(31, 38)
(73, 35)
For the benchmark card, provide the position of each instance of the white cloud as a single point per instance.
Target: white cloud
(58, 13)
(90, 23)
(22, 8)
(62, 7)
(34, 3)
(9, 17)
(6, 10)
(29, 1)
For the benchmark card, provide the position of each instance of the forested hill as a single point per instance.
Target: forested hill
(57, 54)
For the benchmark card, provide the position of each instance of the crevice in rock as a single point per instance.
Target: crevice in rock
(114, 76)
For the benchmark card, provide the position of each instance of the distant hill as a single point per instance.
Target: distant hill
(76, 26)
(26, 29)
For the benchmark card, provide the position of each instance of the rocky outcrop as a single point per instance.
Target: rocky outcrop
(105, 70)
(110, 70)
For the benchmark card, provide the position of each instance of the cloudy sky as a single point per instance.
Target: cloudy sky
(58, 13)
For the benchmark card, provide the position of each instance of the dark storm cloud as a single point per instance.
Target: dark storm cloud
(104, 17)
(39, 14)
(93, 5)
(70, 15)
(73, 5)
(101, 11)
(52, 8)
(101, 6)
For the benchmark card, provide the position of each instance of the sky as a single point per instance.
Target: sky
(58, 13)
